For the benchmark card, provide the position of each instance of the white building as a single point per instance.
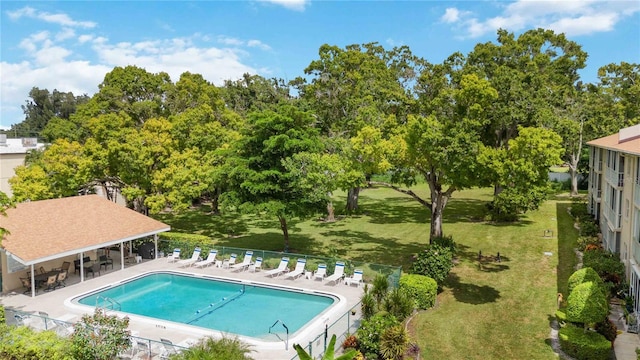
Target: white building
(614, 197)
(12, 154)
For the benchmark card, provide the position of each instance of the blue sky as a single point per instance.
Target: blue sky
(71, 45)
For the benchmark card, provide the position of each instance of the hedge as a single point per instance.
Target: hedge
(584, 345)
(23, 343)
(185, 242)
(587, 304)
(422, 289)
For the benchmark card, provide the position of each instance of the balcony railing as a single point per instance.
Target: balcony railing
(615, 178)
(636, 195)
(612, 216)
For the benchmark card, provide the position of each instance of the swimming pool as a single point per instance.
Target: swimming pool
(237, 307)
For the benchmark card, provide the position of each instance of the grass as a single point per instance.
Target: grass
(498, 310)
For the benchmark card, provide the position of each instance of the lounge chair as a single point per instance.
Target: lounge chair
(321, 272)
(230, 261)
(299, 270)
(356, 278)
(194, 258)
(256, 265)
(280, 269)
(245, 262)
(337, 274)
(175, 256)
(208, 261)
(168, 349)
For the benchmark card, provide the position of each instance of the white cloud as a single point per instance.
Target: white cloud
(259, 44)
(84, 38)
(60, 18)
(297, 5)
(571, 17)
(65, 33)
(226, 40)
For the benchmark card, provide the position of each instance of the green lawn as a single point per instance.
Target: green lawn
(497, 311)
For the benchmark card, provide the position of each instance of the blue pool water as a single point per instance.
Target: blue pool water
(226, 306)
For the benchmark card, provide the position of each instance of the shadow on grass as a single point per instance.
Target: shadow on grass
(488, 262)
(471, 293)
(463, 210)
(567, 241)
(394, 210)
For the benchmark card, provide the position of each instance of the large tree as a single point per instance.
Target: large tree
(258, 180)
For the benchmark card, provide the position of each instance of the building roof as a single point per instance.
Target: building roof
(19, 146)
(626, 141)
(50, 229)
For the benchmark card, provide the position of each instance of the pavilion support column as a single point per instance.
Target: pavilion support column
(33, 281)
(122, 256)
(82, 267)
(155, 243)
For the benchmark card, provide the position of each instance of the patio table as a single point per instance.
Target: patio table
(40, 278)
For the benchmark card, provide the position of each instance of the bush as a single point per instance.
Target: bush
(393, 343)
(561, 316)
(367, 303)
(399, 304)
(445, 241)
(186, 242)
(584, 275)
(100, 336)
(422, 289)
(579, 209)
(17, 343)
(584, 345)
(585, 241)
(3, 320)
(607, 329)
(435, 262)
(587, 304)
(589, 228)
(216, 349)
(370, 331)
(607, 265)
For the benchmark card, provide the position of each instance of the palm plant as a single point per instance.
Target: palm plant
(328, 354)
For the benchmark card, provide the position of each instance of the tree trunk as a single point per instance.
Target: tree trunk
(331, 217)
(439, 201)
(573, 172)
(285, 232)
(352, 199)
(215, 202)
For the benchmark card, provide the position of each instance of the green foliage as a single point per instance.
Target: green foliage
(584, 345)
(561, 316)
(583, 275)
(380, 288)
(435, 262)
(3, 320)
(185, 242)
(587, 304)
(370, 332)
(584, 241)
(216, 349)
(394, 342)
(328, 354)
(446, 242)
(368, 303)
(422, 289)
(100, 336)
(588, 227)
(19, 343)
(607, 265)
(399, 304)
(607, 329)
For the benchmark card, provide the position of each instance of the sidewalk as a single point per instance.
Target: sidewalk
(626, 342)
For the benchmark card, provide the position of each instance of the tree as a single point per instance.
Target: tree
(5, 203)
(100, 336)
(258, 179)
(328, 354)
(254, 93)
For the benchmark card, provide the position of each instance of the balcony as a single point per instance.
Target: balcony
(636, 195)
(613, 217)
(615, 178)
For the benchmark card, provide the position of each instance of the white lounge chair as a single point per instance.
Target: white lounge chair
(248, 256)
(175, 256)
(194, 258)
(356, 278)
(321, 272)
(208, 261)
(299, 270)
(256, 265)
(280, 269)
(230, 261)
(337, 274)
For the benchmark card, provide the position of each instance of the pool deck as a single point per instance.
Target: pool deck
(53, 303)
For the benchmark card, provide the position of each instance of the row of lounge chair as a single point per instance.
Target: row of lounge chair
(282, 269)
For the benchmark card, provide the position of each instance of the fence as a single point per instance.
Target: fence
(139, 346)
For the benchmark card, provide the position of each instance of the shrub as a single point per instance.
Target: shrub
(445, 241)
(583, 275)
(435, 262)
(607, 329)
(216, 349)
(584, 345)
(350, 342)
(585, 241)
(367, 303)
(3, 320)
(589, 228)
(422, 289)
(587, 304)
(380, 288)
(370, 331)
(394, 342)
(186, 242)
(579, 209)
(23, 343)
(561, 316)
(607, 265)
(100, 336)
(399, 304)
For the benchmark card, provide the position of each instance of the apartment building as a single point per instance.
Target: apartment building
(614, 197)
(12, 154)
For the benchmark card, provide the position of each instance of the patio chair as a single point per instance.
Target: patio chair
(245, 262)
(42, 270)
(208, 261)
(321, 272)
(93, 269)
(26, 282)
(105, 261)
(280, 269)
(356, 278)
(194, 258)
(299, 270)
(175, 256)
(230, 261)
(60, 281)
(76, 266)
(139, 348)
(51, 283)
(65, 267)
(168, 349)
(256, 265)
(338, 273)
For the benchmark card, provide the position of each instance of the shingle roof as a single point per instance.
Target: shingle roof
(626, 144)
(49, 229)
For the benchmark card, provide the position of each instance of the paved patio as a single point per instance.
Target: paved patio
(56, 304)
